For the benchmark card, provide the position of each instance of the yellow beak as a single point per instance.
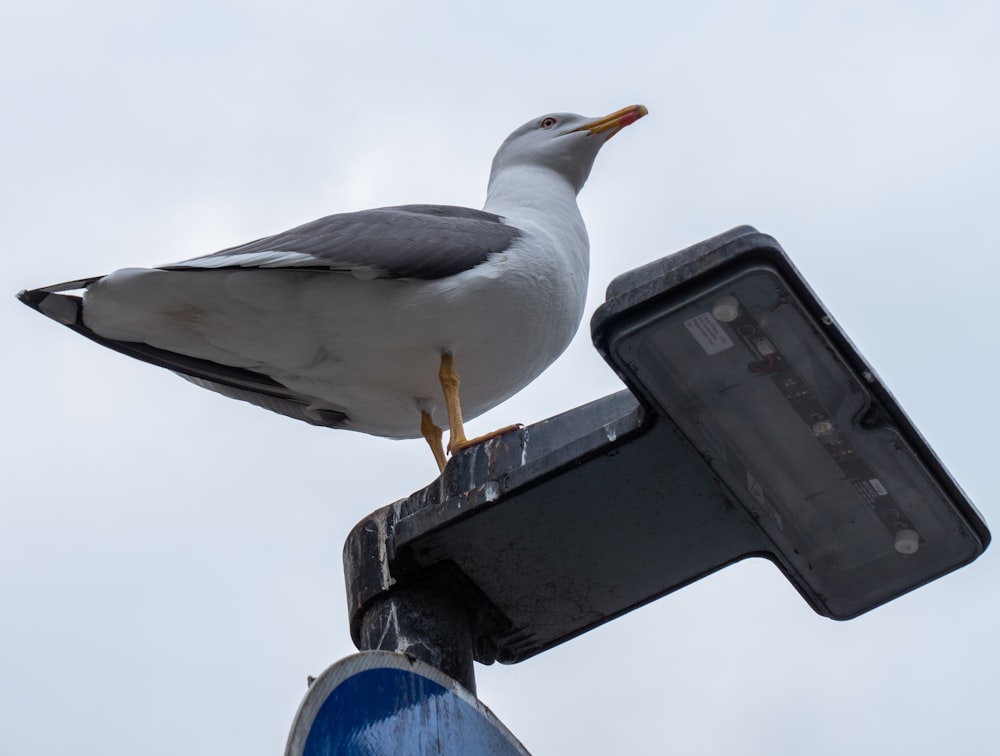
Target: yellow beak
(613, 123)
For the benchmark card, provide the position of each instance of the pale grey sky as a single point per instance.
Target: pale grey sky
(170, 563)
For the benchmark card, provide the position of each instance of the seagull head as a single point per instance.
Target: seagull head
(566, 143)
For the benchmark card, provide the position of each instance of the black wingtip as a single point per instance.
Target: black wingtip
(32, 297)
(50, 301)
(61, 308)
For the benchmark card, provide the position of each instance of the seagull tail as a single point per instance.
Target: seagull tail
(235, 383)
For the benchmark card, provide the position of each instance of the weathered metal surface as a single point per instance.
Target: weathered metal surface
(603, 509)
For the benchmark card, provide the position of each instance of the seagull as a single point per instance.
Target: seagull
(364, 320)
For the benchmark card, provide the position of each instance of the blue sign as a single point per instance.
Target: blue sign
(379, 703)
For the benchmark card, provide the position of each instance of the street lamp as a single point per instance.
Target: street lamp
(752, 427)
(728, 341)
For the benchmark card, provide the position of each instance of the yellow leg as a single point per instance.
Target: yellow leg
(432, 434)
(456, 430)
(449, 385)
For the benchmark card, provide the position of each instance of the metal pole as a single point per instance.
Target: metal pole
(427, 624)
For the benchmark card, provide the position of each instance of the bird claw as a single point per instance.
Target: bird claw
(457, 445)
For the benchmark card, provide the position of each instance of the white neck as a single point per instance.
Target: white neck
(538, 195)
(527, 186)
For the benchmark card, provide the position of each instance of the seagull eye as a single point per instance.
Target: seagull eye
(548, 123)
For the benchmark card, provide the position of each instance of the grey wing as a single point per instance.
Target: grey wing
(411, 241)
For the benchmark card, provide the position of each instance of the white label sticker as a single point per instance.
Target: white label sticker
(879, 488)
(707, 332)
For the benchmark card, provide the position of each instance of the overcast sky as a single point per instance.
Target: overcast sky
(170, 560)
